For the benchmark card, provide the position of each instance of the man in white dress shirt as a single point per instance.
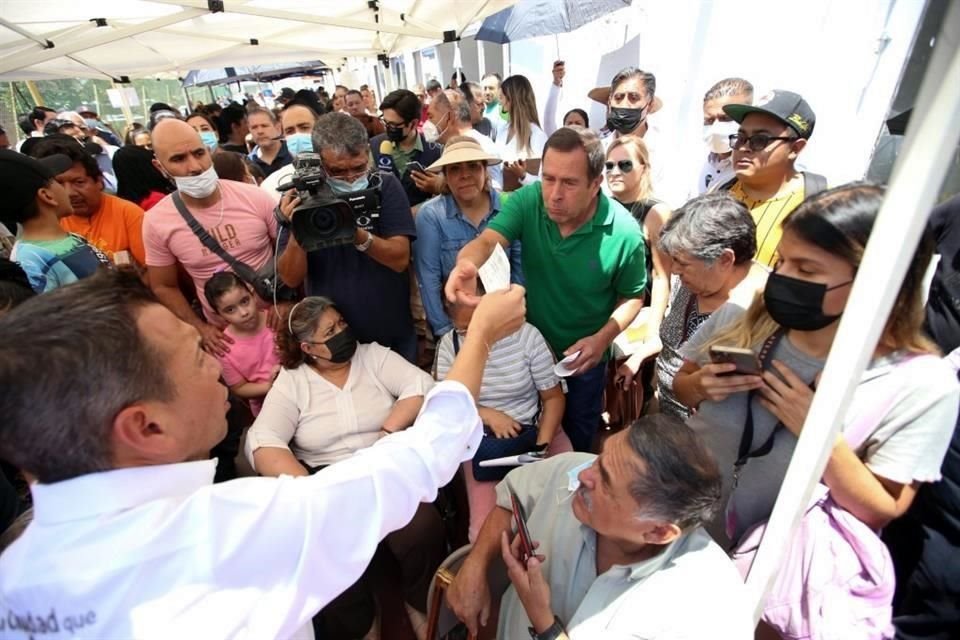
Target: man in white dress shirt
(130, 538)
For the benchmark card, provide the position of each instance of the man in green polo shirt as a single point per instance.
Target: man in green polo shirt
(583, 262)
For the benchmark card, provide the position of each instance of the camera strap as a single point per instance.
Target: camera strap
(247, 273)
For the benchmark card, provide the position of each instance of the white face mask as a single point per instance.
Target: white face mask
(717, 136)
(200, 186)
(430, 132)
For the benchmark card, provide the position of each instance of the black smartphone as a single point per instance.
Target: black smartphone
(415, 166)
(746, 360)
(520, 518)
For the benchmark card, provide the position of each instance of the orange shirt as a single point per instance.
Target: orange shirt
(115, 227)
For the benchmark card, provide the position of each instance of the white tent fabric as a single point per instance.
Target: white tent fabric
(147, 38)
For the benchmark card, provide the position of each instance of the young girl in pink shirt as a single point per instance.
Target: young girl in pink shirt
(252, 363)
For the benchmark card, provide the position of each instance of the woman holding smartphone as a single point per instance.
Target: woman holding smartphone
(792, 325)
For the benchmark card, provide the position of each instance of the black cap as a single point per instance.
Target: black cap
(22, 176)
(287, 93)
(787, 107)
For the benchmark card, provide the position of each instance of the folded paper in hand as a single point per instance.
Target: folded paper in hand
(495, 272)
(513, 461)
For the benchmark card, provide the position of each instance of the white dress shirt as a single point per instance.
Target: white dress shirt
(161, 552)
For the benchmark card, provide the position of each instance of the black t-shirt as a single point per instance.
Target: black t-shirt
(282, 159)
(485, 127)
(639, 211)
(374, 299)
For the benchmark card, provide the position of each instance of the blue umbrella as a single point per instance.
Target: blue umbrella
(530, 18)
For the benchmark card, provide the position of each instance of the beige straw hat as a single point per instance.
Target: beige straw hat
(462, 149)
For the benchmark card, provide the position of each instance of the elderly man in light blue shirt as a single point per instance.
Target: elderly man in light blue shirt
(621, 552)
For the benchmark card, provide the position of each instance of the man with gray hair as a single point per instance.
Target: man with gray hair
(620, 548)
(451, 114)
(368, 279)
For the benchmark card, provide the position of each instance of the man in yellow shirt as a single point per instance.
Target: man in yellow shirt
(772, 134)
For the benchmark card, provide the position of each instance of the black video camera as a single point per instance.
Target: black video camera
(325, 218)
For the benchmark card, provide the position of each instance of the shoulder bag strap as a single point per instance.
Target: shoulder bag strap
(242, 269)
(744, 453)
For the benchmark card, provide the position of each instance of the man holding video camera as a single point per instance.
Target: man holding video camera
(349, 235)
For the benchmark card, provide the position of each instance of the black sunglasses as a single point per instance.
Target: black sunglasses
(625, 166)
(756, 142)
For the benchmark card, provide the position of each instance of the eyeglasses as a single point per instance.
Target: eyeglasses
(394, 125)
(625, 166)
(348, 175)
(756, 142)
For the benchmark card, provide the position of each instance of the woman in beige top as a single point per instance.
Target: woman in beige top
(331, 398)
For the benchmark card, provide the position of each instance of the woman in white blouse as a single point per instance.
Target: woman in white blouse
(331, 398)
(520, 140)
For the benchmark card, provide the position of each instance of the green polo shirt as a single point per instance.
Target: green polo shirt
(573, 283)
(402, 158)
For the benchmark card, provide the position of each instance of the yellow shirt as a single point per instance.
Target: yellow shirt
(769, 214)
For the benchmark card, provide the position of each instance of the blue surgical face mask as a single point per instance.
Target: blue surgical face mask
(573, 481)
(91, 123)
(342, 186)
(209, 140)
(299, 143)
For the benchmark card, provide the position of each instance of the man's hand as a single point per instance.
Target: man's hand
(288, 202)
(502, 425)
(276, 315)
(499, 314)
(532, 588)
(517, 168)
(214, 341)
(427, 182)
(461, 284)
(591, 351)
(469, 596)
(559, 71)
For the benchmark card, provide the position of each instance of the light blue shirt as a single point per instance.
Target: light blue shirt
(442, 230)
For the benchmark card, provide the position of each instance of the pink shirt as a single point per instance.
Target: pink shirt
(247, 231)
(251, 359)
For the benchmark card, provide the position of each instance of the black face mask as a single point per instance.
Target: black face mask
(395, 134)
(798, 304)
(342, 346)
(624, 120)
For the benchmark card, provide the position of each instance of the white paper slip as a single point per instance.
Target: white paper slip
(513, 461)
(563, 369)
(495, 272)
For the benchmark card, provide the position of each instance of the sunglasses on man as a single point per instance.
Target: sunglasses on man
(756, 142)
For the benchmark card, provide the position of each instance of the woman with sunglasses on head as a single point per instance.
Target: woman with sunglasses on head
(903, 410)
(332, 398)
(520, 139)
(628, 178)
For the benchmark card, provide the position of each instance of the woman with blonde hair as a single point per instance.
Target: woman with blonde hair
(520, 139)
(629, 179)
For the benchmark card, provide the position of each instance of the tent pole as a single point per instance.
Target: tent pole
(928, 148)
(186, 96)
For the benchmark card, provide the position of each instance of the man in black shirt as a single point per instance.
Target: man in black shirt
(270, 152)
(368, 279)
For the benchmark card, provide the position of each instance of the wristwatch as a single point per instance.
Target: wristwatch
(363, 246)
(552, 632)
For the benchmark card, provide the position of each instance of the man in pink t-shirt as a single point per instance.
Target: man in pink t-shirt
(239, 216)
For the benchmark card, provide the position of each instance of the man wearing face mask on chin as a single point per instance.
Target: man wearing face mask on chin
(630, 100)
(238, 216)
(368, 278)
(402, 145)
(717, 129)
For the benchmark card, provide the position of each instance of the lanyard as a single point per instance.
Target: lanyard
(746, 439)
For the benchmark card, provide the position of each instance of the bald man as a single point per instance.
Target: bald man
(237, 215)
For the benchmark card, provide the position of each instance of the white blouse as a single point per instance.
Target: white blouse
(321, 423)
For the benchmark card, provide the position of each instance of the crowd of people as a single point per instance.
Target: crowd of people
(277, 350)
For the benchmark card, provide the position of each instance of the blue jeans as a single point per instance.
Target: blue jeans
(584, 406)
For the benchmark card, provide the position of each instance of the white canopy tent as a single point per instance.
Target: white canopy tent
(48, 39)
